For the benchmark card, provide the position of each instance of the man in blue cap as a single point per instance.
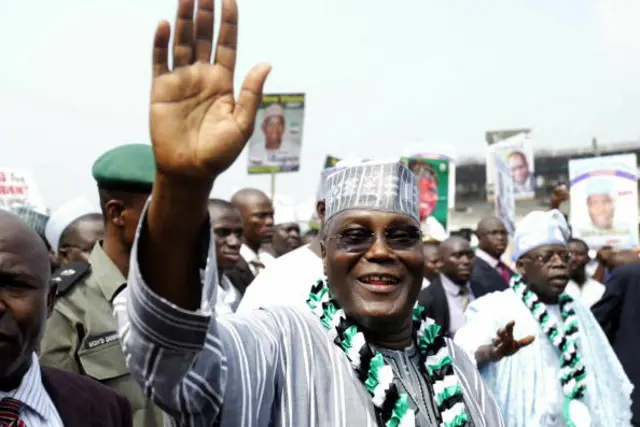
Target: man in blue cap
(81, 335)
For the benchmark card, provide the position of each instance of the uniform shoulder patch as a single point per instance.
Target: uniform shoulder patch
(68, 275)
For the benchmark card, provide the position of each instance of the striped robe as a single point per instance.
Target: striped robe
(274, 367)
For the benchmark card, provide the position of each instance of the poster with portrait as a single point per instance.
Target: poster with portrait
(433, 190)
(452, 173)
(515, 147)
(504, 200)
(604, 200)
(276, 142)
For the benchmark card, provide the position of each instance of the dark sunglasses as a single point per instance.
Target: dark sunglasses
(360, 239)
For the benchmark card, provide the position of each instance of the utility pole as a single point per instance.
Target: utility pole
(594, 145)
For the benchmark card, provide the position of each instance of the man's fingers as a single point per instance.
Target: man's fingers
(183, 41)
(160, 59)
(250, 97)
(526, 341)
(228, 36)
(204, 31)
(509, 327)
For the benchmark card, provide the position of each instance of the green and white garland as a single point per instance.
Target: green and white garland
(392, 408)
(572, 371)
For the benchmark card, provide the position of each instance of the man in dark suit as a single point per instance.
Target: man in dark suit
(31, 395)
(488, 270)
(618, 314)
(448, 295)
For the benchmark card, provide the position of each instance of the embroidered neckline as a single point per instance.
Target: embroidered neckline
(572, 373)
(391, 406)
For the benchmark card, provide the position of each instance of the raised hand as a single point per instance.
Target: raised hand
(505, 344)
(198, 128)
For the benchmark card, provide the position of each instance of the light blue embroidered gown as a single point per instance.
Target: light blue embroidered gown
(526, 385)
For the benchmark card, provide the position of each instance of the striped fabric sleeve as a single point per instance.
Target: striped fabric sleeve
(484, 403)
(183, 359)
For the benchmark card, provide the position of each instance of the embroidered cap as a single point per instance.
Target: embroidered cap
(386, 186)
(338, 166)
(540, 228)
(273, 110)
(34, 219)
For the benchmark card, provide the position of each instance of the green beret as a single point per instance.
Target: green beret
(129, 168)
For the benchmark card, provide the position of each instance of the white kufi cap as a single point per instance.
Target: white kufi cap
(64, 216)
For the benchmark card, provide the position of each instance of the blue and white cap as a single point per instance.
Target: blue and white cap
(599, 186)
(540, 228)
(386, 186)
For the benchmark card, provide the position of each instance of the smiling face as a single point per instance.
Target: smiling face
(601, 210)
(26, 297)
(374, 263)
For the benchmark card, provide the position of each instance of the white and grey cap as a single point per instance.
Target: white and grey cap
(386, 186)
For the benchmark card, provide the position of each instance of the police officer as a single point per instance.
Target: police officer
(81, 334)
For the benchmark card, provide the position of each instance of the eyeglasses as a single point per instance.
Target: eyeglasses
(546, 258)
(360, 239)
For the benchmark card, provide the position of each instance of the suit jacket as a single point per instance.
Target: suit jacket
(241, 276)
(84, 402)
(488, 277)
(618, 314)
(434, 299)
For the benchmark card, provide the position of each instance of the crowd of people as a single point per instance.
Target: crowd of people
(162, 306)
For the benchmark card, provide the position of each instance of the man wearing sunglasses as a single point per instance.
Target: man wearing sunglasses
(568, 373)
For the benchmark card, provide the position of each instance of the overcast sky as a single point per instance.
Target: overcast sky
(380, 77)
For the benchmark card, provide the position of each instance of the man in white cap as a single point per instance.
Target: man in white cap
(564, 372)
(73, 230)
(277, 150)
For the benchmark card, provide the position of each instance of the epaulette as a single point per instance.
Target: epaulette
(68, 275)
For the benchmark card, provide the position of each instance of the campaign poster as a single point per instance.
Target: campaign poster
(504, 200)
(276, 142)
(604, 200)
(452, 173)
(515, 148)
(18, 188)
(433, 190)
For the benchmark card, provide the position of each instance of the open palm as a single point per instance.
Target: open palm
(505, 344)
(198, 129)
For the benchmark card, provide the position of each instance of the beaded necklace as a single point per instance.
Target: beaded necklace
(391, 407)
(572, 373)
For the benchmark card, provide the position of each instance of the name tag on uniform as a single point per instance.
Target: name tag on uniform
(102, 339)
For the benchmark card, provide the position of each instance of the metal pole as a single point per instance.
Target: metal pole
(273, 185)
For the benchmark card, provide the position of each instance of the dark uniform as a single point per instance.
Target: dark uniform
(81, 335)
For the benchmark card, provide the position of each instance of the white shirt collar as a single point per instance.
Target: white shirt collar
(493, 262)
(31, 391)
(450, 287)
